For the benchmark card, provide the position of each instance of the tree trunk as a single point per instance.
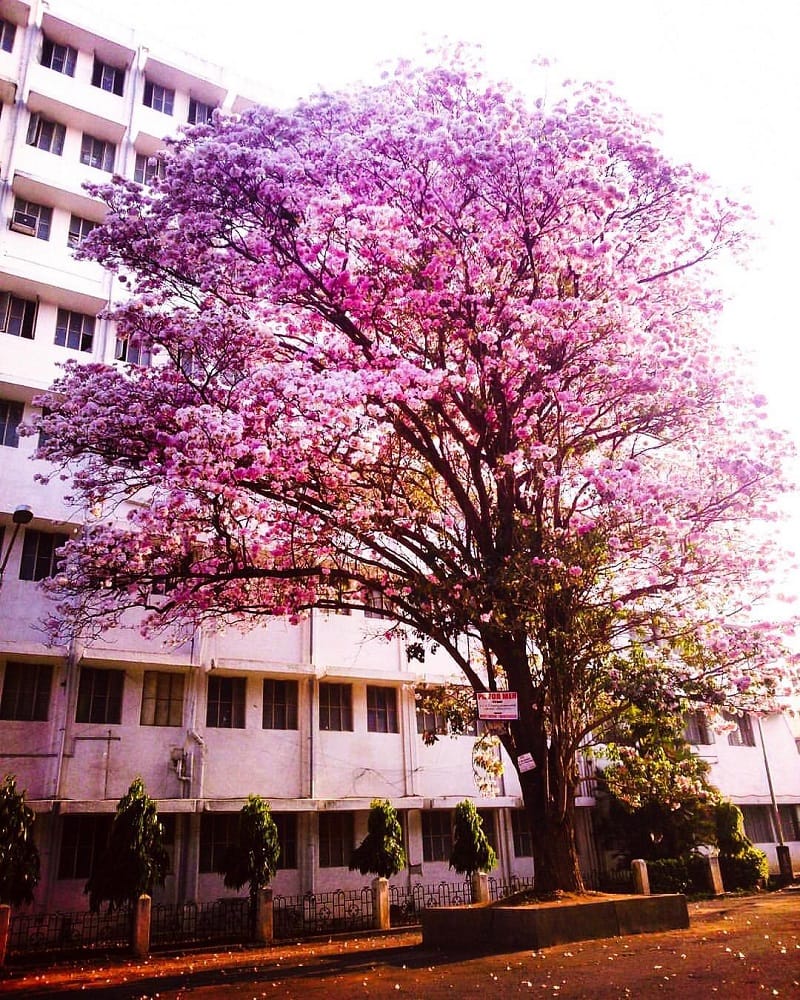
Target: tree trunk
(548, 790)
(555, 854)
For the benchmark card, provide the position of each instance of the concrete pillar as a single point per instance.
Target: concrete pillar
(786, 873)
(714, 876)
(380, 904)
(263, 930)
(140, 933)
(641, 880)
(5, 928)
(480, 887)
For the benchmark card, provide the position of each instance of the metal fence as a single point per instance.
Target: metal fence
(499, 890)
(67, 933)
(322, 913)
(223, 921)
(609, 881)
(231, 920)
(407, 902)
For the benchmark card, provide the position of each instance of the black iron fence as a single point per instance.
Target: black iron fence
(322, 913)
(223, 921)
(609, 881)
(407, 902)
(232, 920)
(500, 890)
(68, 933)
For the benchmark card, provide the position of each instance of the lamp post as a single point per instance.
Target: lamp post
(22, 515)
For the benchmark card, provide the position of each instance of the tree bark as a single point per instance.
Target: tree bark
(550, 806)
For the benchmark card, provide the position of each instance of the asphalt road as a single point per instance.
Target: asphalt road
(737, 947)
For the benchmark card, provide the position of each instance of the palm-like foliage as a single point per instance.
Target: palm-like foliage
(381, 851)
(19, 856)
(134, 859)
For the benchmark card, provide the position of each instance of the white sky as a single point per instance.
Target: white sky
(723, 75)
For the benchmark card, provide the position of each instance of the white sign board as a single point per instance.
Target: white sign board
(497, 705)
(525, 762)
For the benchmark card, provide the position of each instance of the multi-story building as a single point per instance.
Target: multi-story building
(756, 763)
(319, 717)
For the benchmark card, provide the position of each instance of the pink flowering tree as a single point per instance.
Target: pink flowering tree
(426, 340)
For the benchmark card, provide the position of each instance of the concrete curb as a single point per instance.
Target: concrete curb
(514, 928)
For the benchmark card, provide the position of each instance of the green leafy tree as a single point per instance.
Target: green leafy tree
(471, 851)
(19, 856)
(135, 859)
(742, 865)
(660, 803)
(381, 851)
(252, 859)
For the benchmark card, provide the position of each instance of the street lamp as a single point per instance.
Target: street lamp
(22, 515)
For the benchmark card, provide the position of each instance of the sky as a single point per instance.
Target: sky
(722, 76)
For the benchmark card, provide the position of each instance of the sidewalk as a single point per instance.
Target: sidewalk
(738, 948)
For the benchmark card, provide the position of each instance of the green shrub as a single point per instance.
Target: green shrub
(668, 875)
(744, 870)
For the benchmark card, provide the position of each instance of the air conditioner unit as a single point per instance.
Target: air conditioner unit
(24, 223)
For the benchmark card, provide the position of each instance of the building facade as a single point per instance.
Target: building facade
(319, 717)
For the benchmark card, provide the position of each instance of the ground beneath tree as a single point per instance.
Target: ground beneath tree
(736, 947)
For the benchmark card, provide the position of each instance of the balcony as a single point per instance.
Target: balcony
(77, 104)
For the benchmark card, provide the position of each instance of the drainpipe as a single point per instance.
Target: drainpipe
(784, 857)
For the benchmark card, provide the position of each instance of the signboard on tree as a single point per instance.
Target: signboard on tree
(497, 705)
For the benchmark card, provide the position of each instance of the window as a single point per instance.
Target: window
(132, 352)
(487, 819)
(376, 605)
(61, 58)
(147, 168)
(758, 824)
(521, 834)
(279, 705)
(40, 554)
(79, 229)
(45, 134)
(17, 316)
(74, 330)
(382, 710)
(83, 838)
(336, 707)
(225, 708)
(437, 837)
(42, 441)
(790, 821)
(8, 32)
(167, 821)
(742, 735)
(107, 77)
(199, 113)
(162, 699)
(100, 696)
(218, 832)
(287, 838)
(335, 839)
(97, 153)
(10, 419)
(431, 723)
(696, 729)
(158, 98)
(26, 692)
(31, 219)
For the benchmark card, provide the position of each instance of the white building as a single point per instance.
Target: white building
(320, 717)
(757, 765)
